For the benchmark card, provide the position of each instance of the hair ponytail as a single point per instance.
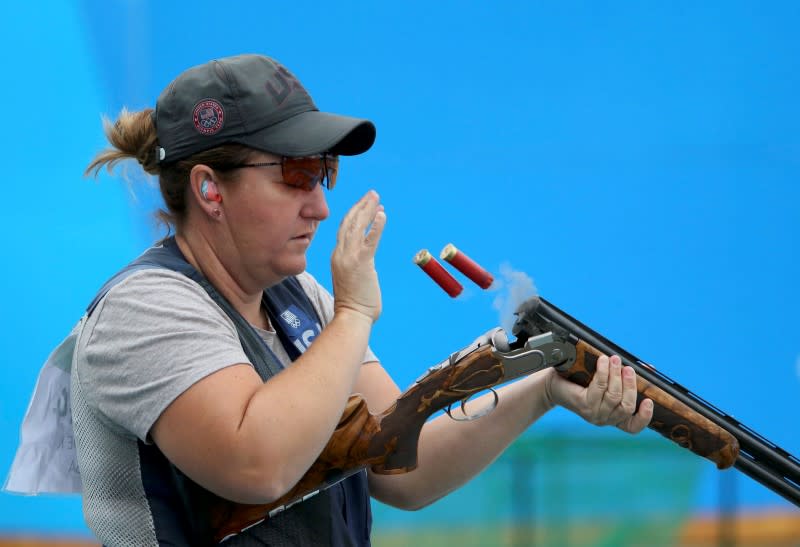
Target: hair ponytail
(133, 135)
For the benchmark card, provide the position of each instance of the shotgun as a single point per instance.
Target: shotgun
(756, 457)
(544, 337)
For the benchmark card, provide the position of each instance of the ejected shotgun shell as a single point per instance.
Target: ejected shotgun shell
(431, 266)
(466, 265)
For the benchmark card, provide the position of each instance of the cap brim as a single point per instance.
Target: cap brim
(314, 132)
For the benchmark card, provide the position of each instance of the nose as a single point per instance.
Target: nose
(316, 206)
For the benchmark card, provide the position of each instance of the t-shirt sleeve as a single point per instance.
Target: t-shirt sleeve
(323, 302)
(150, 339)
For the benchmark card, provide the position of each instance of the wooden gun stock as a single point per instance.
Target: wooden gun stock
(386, 442)
(671, 418)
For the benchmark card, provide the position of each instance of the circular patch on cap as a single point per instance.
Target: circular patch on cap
(208, 116)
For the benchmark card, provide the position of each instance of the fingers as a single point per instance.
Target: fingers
(629, 391)
(364, 222)
(355, 281)
(375, 229)
(621, 397)
(640, 420)
(621, 394)
(605, 391)
(609, 399)
(596, 390)
(612, 395)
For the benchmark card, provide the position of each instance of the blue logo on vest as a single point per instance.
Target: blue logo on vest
(299, 328)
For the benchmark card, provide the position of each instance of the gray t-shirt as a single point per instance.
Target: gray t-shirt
(153, 336)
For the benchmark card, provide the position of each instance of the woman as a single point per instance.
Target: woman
(176, 399)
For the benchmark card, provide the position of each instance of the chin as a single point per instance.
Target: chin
(290, 268)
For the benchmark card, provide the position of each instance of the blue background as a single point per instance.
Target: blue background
(638, 161)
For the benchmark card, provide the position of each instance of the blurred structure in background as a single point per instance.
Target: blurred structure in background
(570, 490)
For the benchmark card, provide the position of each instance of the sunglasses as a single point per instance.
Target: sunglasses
(304, 172)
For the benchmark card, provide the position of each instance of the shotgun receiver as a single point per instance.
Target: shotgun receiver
(545, 337)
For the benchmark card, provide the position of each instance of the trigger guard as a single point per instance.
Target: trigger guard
(472, 417)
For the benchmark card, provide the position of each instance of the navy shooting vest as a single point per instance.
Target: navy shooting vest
(339, 516)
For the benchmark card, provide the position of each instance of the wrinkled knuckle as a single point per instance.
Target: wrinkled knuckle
(628, 406)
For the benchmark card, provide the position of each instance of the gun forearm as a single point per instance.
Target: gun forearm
(671, 418)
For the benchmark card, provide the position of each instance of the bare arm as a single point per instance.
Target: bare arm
(250, 441)
(451, 453)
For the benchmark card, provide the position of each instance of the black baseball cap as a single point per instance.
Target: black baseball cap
(255, 101)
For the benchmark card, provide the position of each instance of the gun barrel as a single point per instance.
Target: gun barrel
(758, 458)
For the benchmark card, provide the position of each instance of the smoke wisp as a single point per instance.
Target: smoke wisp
(514, 288)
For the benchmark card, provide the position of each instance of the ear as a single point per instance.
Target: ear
(204, 190)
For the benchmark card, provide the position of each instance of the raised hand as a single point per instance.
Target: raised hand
(355, 281)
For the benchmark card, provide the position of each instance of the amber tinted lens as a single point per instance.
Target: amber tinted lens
(307, 172)
(303, 173)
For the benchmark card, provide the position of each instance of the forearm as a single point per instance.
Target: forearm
(250, 441)
(451, 453)
(289, 419)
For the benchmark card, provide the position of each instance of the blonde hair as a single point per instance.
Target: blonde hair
(133, 136)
